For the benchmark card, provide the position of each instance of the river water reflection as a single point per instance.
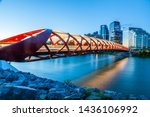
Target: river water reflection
(104, 78)
(130, 75)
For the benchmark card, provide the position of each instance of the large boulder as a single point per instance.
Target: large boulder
(9, 92)
(8, 75)
(76, 94)
(41, 94)
(57, 93)
(41, 83)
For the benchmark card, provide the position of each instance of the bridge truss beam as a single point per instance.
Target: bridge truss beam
(45, 44)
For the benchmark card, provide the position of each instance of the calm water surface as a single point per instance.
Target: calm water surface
(130, 75)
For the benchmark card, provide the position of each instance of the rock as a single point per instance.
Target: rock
(142, 97)
(20, 85)
(2, 81)
(29, 76)
(132, 97)
(74, 96)
(109, 92)
(55, 96)
(57, 90)
(62, 91)
(95, 90)
(57, 93)
(118, 96)
(10, 76)
(57, 84)
(93, 97)
(41, 95)
(41, 84)
(9, 92)
(79, 90)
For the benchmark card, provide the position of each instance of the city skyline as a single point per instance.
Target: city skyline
(73, 16)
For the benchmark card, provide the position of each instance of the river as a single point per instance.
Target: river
(129, 75)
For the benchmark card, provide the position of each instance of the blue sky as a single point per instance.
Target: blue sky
(74, 16)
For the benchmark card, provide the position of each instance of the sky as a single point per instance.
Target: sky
(73, 16)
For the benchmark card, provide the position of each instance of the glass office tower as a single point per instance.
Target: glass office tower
(104, 33)
(115, 32)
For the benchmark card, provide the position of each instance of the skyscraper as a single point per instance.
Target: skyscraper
(115, 32)
(104, 33)
(136, 38)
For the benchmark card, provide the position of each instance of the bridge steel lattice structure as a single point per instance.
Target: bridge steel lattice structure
(45, 44)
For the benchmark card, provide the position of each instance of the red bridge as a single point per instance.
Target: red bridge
(46, 44)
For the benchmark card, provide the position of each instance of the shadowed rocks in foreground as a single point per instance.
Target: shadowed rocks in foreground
(26, 86)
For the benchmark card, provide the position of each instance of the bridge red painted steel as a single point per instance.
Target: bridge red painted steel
(46, 44)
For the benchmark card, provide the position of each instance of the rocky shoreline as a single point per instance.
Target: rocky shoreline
(17, 85)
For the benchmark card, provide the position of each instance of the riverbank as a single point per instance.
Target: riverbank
(26, 86)
(142, 53)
